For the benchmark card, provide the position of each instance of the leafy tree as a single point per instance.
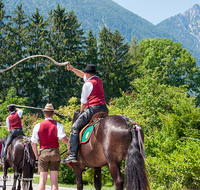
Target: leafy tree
(178, 66)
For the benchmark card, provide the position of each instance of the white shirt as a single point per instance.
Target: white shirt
(86, 90)
(60, 131)
(19, 112)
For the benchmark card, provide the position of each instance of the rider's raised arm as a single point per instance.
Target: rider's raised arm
(19, 112)
(76, 71)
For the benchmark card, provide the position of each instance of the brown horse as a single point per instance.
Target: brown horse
(113, 140)
(21, 158)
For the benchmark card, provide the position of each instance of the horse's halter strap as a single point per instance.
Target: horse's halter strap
(60, 64)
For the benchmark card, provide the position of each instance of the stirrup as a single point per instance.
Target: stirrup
(69, 159)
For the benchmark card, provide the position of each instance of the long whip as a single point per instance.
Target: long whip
(60, 64)
(37, 109)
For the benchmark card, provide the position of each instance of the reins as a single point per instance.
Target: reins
(63, 152)
(60, 64)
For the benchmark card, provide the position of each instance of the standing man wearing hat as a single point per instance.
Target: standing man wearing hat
(92, 101)
(14, 125)
(48, 132)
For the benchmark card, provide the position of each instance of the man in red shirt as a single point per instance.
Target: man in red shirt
(14, 125)
(48, 132)
(92, 101)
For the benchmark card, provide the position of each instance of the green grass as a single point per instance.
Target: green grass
(87, 187)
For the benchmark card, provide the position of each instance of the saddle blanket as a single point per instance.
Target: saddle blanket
(87, 134)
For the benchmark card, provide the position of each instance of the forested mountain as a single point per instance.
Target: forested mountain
(94, 15)
(186, 29)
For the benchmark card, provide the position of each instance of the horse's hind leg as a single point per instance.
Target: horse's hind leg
(19, 179)
(116, 175)
(97, 178)
(16, 176)
(30, 185)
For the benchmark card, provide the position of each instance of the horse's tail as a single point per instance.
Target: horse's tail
(28, 166)
(136, 176)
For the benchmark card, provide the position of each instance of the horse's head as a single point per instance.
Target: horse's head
(76, 114)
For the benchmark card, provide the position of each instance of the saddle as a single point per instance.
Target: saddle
(89, 128)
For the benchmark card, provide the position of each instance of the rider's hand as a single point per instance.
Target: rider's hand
(69, 67)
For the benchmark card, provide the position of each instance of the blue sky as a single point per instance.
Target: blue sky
(156, 11)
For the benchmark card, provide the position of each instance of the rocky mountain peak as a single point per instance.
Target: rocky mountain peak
(193, 12)
(192, 17)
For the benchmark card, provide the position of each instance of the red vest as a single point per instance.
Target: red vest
(48, 134)
(96, 97)
(14, 121)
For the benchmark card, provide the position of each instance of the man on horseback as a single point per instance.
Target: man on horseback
(92, 101)
(48, 132)
(14, 125)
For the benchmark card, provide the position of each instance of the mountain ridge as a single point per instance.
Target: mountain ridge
(96, 14)
(185, 28)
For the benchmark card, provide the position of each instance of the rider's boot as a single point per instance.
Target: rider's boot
(72, 155)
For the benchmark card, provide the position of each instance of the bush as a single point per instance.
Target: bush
(180, 168)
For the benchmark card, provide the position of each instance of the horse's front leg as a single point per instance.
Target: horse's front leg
(78, 173)
(97, 178)
(5, 171)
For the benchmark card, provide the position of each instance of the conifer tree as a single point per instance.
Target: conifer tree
(5, 78)
(114, 60)
(36, 45)
(66, 39)
(17, 43)
(91, 49)
(136, 58)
